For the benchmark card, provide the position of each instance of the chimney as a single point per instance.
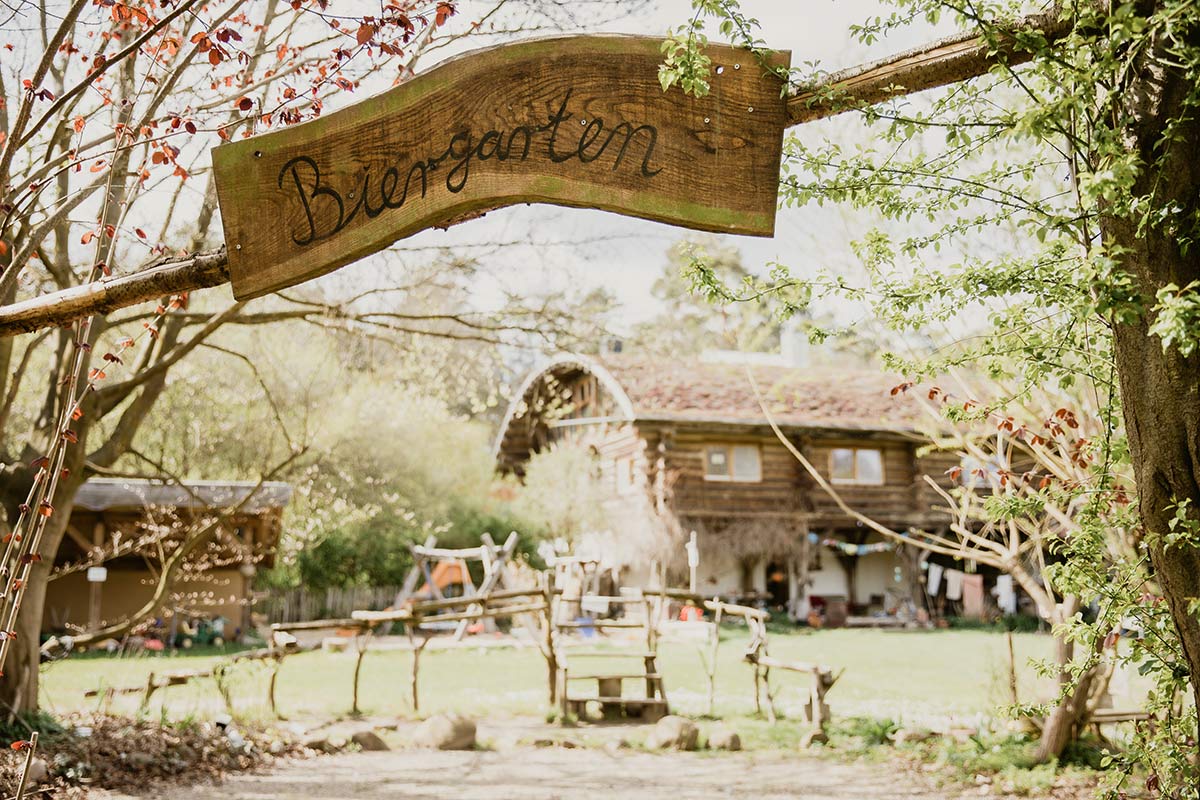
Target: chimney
(794, 345)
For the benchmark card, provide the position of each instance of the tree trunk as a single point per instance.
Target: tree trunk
(1063, 725)
(1160, 388)
(19, 684)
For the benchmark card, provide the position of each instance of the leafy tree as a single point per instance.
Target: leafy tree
(559, 495)
(1087, 148)
(107, 114)
(687, 325)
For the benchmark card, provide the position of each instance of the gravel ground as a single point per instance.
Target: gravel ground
(556, 773)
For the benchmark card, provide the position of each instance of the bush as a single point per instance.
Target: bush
(1023, 781)
(870, 731)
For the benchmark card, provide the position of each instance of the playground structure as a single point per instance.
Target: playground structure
(566, 618)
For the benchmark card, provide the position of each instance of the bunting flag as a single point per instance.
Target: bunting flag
(851, 549)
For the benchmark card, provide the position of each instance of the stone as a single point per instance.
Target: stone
(963, 734)
(567, 744)
(723, 738)
(814, 736)
(39, 771)
(446, 732)
(614, 746)
(912, 735)
(139, 760)
(674, 733)
(325, 744)
(369, 741)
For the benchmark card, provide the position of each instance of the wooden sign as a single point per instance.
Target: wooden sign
(575, 121)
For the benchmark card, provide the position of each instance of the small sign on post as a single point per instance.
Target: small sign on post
(693, 558)
(97, 574)
(575, 121)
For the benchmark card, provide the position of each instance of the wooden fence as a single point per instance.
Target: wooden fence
(302, 604)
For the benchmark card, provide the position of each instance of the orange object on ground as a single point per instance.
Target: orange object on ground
(445, 573)
(691, 614)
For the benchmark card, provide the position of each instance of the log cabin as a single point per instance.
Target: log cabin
(120, 524)
(684, 447)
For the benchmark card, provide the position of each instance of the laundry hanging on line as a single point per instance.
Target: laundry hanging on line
(934, 582)
(1006, 598)
(954, 584)
(972, 595)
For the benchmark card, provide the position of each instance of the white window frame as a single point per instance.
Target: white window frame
(730, 472)
(856, 480)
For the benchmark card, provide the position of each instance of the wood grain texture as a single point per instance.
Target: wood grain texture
(575, 121)
(159, 279)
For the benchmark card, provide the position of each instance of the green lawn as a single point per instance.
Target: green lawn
(917, 677)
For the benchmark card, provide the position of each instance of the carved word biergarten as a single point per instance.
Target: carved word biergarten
(327, 211)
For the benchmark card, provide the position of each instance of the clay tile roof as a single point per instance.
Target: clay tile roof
(818, 397)
(100, 494)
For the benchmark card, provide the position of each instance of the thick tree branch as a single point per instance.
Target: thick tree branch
(950, 60)
(941, 63)
(166, 277)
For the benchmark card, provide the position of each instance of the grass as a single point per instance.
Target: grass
(917, 678)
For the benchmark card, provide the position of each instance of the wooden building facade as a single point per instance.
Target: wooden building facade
(683, 447)
(127, 526)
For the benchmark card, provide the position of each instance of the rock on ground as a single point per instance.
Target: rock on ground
(723, 738)
(445, 732)
(369, 741)
(674, 733)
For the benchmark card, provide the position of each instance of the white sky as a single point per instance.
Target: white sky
(631, 252)
(594, 248)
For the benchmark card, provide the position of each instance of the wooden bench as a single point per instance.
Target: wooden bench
(610, 695)
(1106, 716)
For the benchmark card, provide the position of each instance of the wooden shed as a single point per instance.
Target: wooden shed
(126, 526)
(684, 446)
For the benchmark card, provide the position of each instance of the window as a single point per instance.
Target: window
(732, 462)
(856, 465)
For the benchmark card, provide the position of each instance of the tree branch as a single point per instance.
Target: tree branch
(165, 277)
(950, 60)
(940, 63)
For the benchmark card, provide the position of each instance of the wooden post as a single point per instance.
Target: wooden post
(757, 691)
(271, 685)
(693, 558)
(711, 665)
(770, 696)
(29, 753)
(95, 588)
(1012, 669)
(360, 642)
(247, 571)
(146, 694)
(548, 642)
(220, 677)
(416, 662)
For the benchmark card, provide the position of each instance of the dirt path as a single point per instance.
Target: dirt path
(555, 773)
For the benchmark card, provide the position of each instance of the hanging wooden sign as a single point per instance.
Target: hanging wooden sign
(575, 121)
